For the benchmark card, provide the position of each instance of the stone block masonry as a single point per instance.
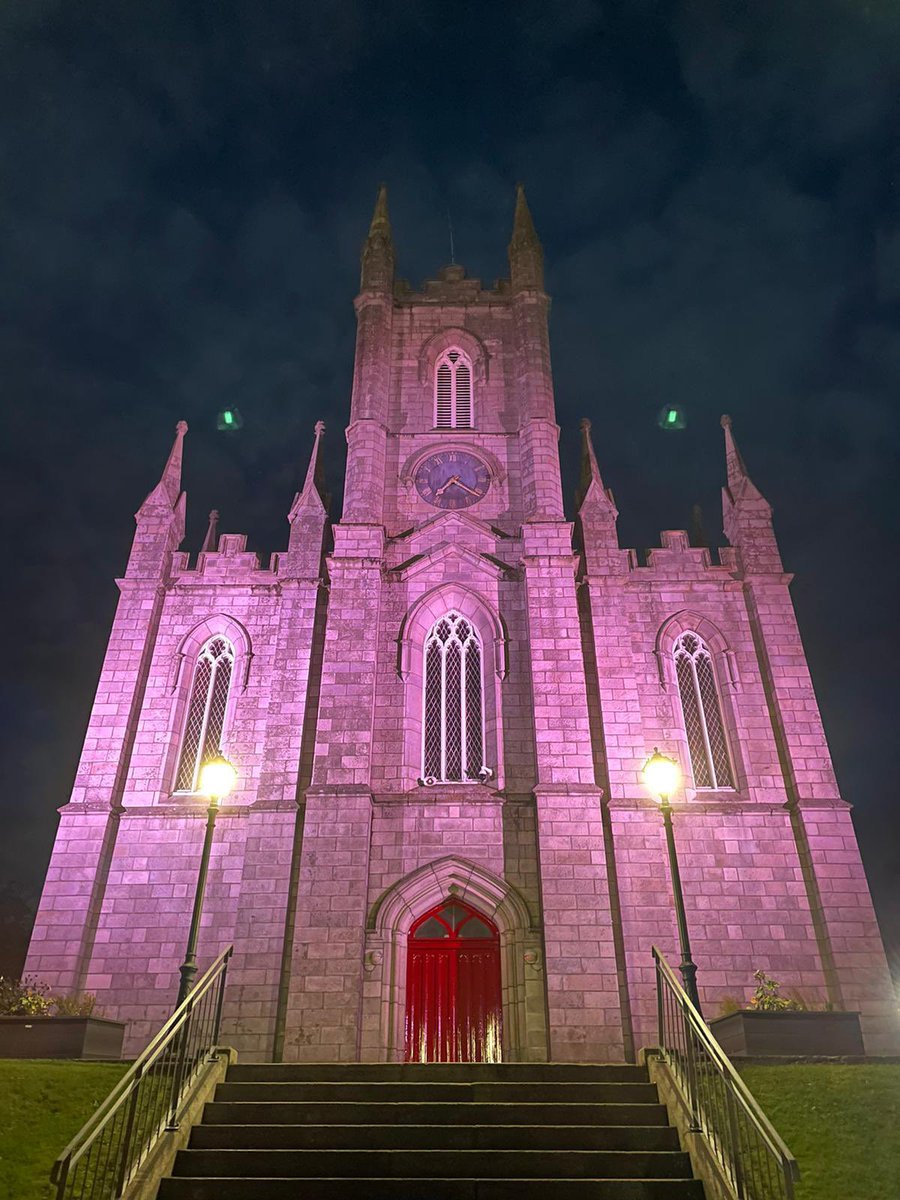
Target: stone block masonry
(389, 770)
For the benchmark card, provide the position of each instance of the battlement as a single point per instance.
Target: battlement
(452, 286)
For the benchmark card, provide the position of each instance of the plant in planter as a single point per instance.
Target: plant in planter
(84, 1005)
(25, 997)
(34, 1024)
(768, 998)
(776, 1025)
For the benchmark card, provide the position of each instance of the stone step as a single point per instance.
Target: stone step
(427, 1188)
(437, 1073)
(437, 1164)
(433, 1137)
(449, 1093)
(219, 1112)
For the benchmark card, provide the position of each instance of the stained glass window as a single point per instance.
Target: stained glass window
(453, 391)
(702, 713)
(453, 741)
(202, 739)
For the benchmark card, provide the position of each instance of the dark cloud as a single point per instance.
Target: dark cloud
(183, 192)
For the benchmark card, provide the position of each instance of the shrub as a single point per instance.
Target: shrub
(25, 997)
(76, 1006)
(767, 996)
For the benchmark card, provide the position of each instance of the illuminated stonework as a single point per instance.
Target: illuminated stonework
(442, 704)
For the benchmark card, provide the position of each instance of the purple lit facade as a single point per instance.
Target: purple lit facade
(450, 694)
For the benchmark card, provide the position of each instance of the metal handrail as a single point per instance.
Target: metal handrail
(754, 1159)
(107, 1151)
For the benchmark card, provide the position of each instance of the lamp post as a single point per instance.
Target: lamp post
(662, 776)
(217, 778)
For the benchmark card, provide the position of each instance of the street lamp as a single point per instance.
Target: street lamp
(662, 776)
(217, 778)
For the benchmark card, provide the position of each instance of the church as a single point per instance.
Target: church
(439, 845)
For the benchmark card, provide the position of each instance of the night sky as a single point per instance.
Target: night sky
(183, 194)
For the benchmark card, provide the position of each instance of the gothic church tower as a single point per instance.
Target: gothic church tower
(438, 707)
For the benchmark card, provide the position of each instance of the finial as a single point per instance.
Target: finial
(211, 541)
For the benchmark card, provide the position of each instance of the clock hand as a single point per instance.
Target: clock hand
(443, 488)
(465, 488)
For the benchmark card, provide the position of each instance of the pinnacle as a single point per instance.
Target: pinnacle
(381, 222)
(523, 224)
(168, 489)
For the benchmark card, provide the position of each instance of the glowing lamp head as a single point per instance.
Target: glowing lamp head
(217, 777)
(662, 775)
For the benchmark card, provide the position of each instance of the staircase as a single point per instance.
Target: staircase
(433, 1132)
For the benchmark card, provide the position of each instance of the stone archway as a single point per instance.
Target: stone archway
(385, 962)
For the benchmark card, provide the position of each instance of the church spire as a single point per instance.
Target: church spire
(526, 255)
(211, 541)
(377, 260)
(746, 514)
(168, 490)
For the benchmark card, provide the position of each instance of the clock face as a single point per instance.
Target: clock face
(452, 479)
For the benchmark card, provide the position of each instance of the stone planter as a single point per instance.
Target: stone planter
(747, 1034)
(61, 1037)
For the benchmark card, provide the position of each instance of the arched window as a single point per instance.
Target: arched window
(710, 763)
(453, 391)
(206, 712)
(453, 742)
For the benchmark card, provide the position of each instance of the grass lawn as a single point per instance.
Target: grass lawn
(842, 1124)
(42, 1106)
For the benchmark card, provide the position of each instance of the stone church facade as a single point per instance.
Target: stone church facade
(439, 845)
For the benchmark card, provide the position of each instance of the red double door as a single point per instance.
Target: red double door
(453, 1000)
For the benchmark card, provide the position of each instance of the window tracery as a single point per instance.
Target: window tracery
(202, 739)
(453, 734)
(702, 713)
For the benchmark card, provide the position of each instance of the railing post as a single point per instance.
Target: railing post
(178, 1076)
(217, 1022)
(122, 1172)
(60, 1176)
(696, 1124)
(735, 1135)
(660, 1007)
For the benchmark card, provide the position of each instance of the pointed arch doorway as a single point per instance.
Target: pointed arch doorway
(453, 992)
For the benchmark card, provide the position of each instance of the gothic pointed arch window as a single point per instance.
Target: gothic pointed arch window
(453, 724)
(702, 713)
(453, 391)
(202, 738)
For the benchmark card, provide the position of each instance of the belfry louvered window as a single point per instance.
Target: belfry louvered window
(453, 744)
(206, 712)
(710, 762)
(453, 391)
